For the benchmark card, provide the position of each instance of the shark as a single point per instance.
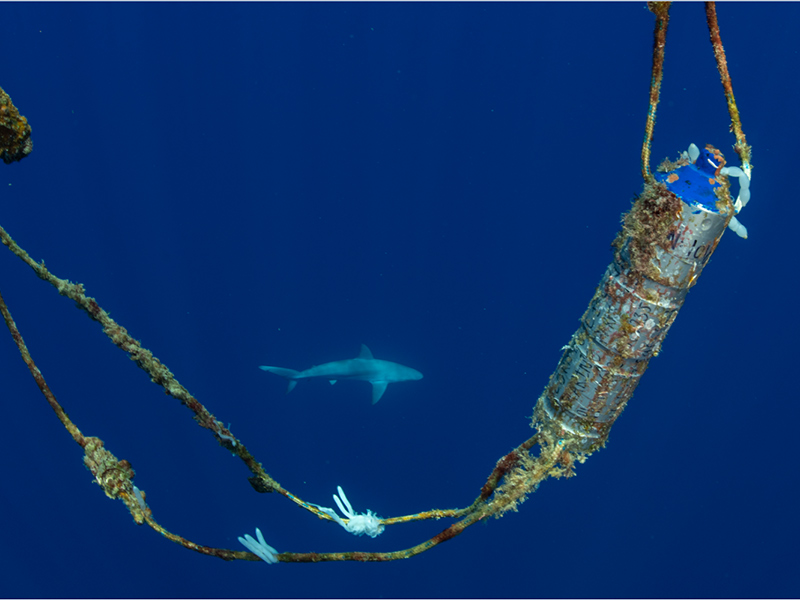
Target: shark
(365, 367)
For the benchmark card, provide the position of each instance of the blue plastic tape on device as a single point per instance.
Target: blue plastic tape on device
(696, 182)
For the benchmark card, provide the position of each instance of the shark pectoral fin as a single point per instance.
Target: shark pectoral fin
(332, 381)
(365, 353)
(378, 387)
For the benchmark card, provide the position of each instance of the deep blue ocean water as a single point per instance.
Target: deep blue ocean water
(248, 184)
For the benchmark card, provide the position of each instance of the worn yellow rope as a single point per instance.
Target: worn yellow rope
(661, 10)
(742, 148)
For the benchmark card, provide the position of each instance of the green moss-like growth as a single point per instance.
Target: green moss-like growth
(646, 227)
(15, 132)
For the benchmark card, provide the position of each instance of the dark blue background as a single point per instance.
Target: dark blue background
(246, 184)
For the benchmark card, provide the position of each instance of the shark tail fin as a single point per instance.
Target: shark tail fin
(290, 374)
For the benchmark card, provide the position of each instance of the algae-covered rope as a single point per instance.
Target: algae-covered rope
(742, 148)
(116, 476)
(661, 10)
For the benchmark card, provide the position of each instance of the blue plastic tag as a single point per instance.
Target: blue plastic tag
(695, 183)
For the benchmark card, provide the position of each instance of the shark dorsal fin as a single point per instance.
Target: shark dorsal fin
(365, 352)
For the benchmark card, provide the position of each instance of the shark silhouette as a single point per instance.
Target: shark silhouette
(379, 373)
